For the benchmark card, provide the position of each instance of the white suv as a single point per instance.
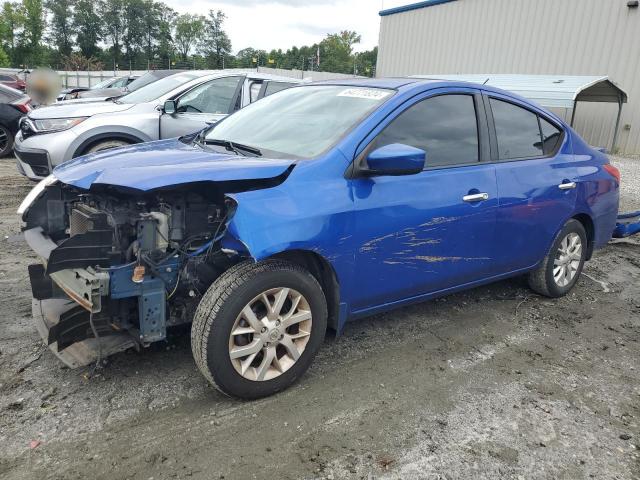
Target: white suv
(176, 105)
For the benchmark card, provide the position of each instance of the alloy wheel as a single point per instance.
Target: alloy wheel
(4, 139)
(568, 258)
(270, 334)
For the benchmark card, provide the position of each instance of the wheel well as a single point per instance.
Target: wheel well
(323, 272)
(587, 223)
(87, 144)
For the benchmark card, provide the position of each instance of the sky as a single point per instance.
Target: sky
(267, 24)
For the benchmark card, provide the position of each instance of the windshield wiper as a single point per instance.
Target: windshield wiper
(236, 148)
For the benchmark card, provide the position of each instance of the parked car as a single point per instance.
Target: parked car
(102, 94)
(13, 105)
(176, 105)
(12, 81)
(118, 84)
(320, 204)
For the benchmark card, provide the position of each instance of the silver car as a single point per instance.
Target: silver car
(115, 83)
(176, 105)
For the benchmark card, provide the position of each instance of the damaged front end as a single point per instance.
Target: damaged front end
(120, 266)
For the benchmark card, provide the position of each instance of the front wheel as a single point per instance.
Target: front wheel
(6, 141)
(560, 269)
(106, 145)
(258, 328)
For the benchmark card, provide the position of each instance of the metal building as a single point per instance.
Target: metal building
(541, 37)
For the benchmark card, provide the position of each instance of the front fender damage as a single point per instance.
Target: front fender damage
(87, 303)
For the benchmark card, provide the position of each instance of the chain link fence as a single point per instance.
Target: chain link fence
(83, 78)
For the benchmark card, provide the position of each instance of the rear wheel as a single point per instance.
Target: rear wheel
(258, 328)
(6, 141)
(106, 145)
(562, 266)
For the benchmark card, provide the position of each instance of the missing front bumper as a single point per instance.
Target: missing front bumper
(48, 314)
(65, 300)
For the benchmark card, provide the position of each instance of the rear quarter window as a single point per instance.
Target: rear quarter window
(551, 136)
(273, 87)
(517, 131)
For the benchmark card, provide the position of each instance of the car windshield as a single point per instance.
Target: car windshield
(103, 84)
(299, 122)
(155, 90)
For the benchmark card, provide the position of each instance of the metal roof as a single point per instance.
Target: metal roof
(413, 6)
(551, 91)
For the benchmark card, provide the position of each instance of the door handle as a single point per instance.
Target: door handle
(476, 197)
(567, 186)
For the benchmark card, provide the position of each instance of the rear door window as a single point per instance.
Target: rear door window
(444, 126)
(517, 131)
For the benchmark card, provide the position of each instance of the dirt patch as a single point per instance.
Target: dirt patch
(492, 383)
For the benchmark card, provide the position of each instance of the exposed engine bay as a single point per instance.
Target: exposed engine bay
(134, 263)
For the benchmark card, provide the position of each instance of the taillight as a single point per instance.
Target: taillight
(613, 171)
(22, 104)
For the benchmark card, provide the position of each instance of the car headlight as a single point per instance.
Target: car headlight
(35, 192)
(48, 125)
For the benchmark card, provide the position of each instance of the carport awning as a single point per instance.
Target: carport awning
(551, 91)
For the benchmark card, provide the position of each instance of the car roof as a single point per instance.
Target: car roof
(211, 74)
(11, 91)
(394, 83)
(412, 83)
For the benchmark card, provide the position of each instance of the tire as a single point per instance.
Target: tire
(106, 145)
(222, 309)
(6, 141)
(544, 280)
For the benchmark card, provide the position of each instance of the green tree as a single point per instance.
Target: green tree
(151, 22)
(88, 25)
(188, 28)
(366, 62)
(216, 45)
(4, 59)
(61, 25)
(10, 23)
(113, 24)
(29, 42)
(276, 59)
(245, 58)
(166, 21)
(336, 52)
(133, 36)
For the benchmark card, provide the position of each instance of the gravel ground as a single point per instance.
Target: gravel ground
(492, 383)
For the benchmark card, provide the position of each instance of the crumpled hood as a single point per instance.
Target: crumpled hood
(72, 108)
(163, 163)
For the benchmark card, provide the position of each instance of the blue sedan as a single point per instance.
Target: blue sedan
(315, 206)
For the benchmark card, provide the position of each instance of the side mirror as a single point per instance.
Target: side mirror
(395, 159)
(169, 107)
